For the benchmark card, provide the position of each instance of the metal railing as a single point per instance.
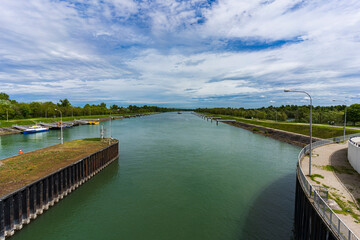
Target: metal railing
(312, 192)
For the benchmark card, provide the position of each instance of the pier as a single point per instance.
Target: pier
(24, 204)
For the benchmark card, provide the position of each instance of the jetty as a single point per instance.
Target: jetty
(43, 177)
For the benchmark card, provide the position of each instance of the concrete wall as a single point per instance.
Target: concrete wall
(19, 207)
(308, 224)
(354, 153)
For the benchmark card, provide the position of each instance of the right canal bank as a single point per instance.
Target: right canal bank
(178, 177)
(327, 202)
(316, 204)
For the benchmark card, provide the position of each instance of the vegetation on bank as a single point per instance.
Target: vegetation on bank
(18, 171)
(318, 130)
(11, 109)
(322, 115)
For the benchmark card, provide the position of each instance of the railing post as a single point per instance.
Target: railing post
(331, 218)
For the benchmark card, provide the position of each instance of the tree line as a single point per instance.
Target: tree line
(12, 109)
(320, 114)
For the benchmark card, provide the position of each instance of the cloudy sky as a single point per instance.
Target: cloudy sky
(191, 53)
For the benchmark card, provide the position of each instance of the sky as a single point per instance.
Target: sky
(195, 53)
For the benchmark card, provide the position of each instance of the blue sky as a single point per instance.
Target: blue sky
(196, 53)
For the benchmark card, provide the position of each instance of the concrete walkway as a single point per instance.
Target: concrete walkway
(335, 172)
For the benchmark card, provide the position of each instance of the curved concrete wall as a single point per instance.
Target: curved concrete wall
(354, 153)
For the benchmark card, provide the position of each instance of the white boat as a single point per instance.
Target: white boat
(35, 129)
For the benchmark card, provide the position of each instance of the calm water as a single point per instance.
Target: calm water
(177, 177)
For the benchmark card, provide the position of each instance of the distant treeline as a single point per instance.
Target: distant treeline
(326, 115)
(16, 110)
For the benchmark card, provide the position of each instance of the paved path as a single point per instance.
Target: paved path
(343, 183)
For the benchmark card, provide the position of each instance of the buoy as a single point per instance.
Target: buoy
(20, 152)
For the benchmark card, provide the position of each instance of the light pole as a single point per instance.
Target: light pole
(345, 115)
(110, 128)
(310, 125)
(61, 127)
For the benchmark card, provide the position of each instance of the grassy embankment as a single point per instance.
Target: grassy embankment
(18, 171)
(319, 131)
(4, 123)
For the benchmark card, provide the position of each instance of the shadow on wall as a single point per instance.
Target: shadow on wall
(345, 172)
(272, 214)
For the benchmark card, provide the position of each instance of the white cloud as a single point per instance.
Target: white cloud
(156, 51)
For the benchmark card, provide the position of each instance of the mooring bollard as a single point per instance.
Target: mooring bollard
(25, 206)
(2, 225)
(45, 194)
(9, 215)
(39, 197)
(17, 211)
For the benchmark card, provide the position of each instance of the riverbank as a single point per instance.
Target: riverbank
(19, 171)
(280, 135)
(293, 133)
(8, 129)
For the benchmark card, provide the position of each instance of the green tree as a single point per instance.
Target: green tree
(64, 103)
(353, 113)
(4, 96)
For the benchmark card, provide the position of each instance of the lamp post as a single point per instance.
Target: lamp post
(310, 124)
(345, 115)
(61, 127)
(110, 128)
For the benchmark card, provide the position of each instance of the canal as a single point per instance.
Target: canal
(178, 177)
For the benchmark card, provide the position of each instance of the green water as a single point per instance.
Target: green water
(177, 177)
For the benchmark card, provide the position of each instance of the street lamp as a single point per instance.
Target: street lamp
(310, 124)
(345, 114)
(61, 127)
(110, 127)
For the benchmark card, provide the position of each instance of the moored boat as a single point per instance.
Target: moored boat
(35, 129)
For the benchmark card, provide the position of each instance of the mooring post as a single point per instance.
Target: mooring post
(65, 185)
(17, 211)
(39, 197)
(217, 123)
(51, 190)
(56, 187)
(9, 215)
(2, 221)
(45, 193)
(61, 185)
(25, 206)
(32, 201)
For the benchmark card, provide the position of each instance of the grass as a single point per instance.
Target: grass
(4, 123)
(346, 208)
(328, 187)
(339, 169)
(318, 130)
(18, 171)
(313, 176)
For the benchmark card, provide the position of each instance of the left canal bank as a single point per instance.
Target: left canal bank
(30, 183)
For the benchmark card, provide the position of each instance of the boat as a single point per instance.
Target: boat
(35, 129)
(64, 125)
(179, 112)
